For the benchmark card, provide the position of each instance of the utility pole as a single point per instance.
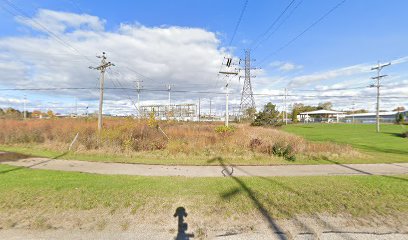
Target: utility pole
(138, 88)
(24, 108)
(199, 109)
(285, 113)
(76, 107)
(226, 104)
(102, 68)
(378, 78)
(227, 73)
(210, 109)
(354, 109)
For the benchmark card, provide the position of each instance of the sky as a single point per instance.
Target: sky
(318, 50)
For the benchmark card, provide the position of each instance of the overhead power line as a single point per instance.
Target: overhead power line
(190, 91)
(304, 31)
(281, 23)
(258, 40)
(41, 26)
(238, 22)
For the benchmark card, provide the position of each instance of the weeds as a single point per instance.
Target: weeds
(127, 136)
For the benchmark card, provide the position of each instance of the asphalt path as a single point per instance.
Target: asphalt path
(209, 171)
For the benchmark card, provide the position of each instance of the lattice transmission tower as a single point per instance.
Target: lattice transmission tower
(247, 97)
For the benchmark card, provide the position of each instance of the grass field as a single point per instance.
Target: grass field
(386, 146)
(42, 194)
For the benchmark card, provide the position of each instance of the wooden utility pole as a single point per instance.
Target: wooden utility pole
(102, 68)
(199, 109)
(138, 88)
(24, 108)
(378, 78)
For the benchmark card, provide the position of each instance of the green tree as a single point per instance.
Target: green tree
(268, 116)
(399, 118)
(299, 108)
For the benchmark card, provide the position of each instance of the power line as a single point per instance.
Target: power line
(128, 96)
(238, 22)
(282, 22)
(259, 38)
(305, 30)
(50, 33)
(187, 91)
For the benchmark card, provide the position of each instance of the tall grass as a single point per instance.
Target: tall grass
(126, 136)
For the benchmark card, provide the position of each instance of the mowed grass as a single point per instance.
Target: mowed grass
(386, 146)
(43, 191)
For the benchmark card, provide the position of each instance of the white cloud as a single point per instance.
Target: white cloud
(188, 58)
(285, 66)
(61, 21)
(181, 56)
(331, 74)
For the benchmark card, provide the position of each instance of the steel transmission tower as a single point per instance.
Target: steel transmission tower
(247, 97)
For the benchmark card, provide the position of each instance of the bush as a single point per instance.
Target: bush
(405, 135)
(280, 150)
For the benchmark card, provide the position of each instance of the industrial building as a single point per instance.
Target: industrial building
(386, 117)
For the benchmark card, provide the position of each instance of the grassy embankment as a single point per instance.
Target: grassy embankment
(47, 199)
(128, 140)
(386, 146)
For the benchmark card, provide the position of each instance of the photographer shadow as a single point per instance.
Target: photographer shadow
(182, 226)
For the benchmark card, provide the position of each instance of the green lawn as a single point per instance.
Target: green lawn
(43, 191)
(386, 146)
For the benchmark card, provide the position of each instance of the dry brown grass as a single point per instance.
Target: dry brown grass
(127, 136)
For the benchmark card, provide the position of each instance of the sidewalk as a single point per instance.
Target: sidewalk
(211, 171)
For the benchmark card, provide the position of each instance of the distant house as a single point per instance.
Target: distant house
(320, 116)
(388, 117)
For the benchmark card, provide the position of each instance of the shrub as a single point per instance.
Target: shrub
(405, 135)
(280, 150)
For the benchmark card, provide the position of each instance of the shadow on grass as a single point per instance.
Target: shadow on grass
(261, 205)
(273, 225)
(380, 149)
(22, 156)
(399, 135)
(309, 230)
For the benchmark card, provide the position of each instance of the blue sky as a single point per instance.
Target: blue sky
(357, 33)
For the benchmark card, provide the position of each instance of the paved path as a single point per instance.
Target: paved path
(210, 171)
